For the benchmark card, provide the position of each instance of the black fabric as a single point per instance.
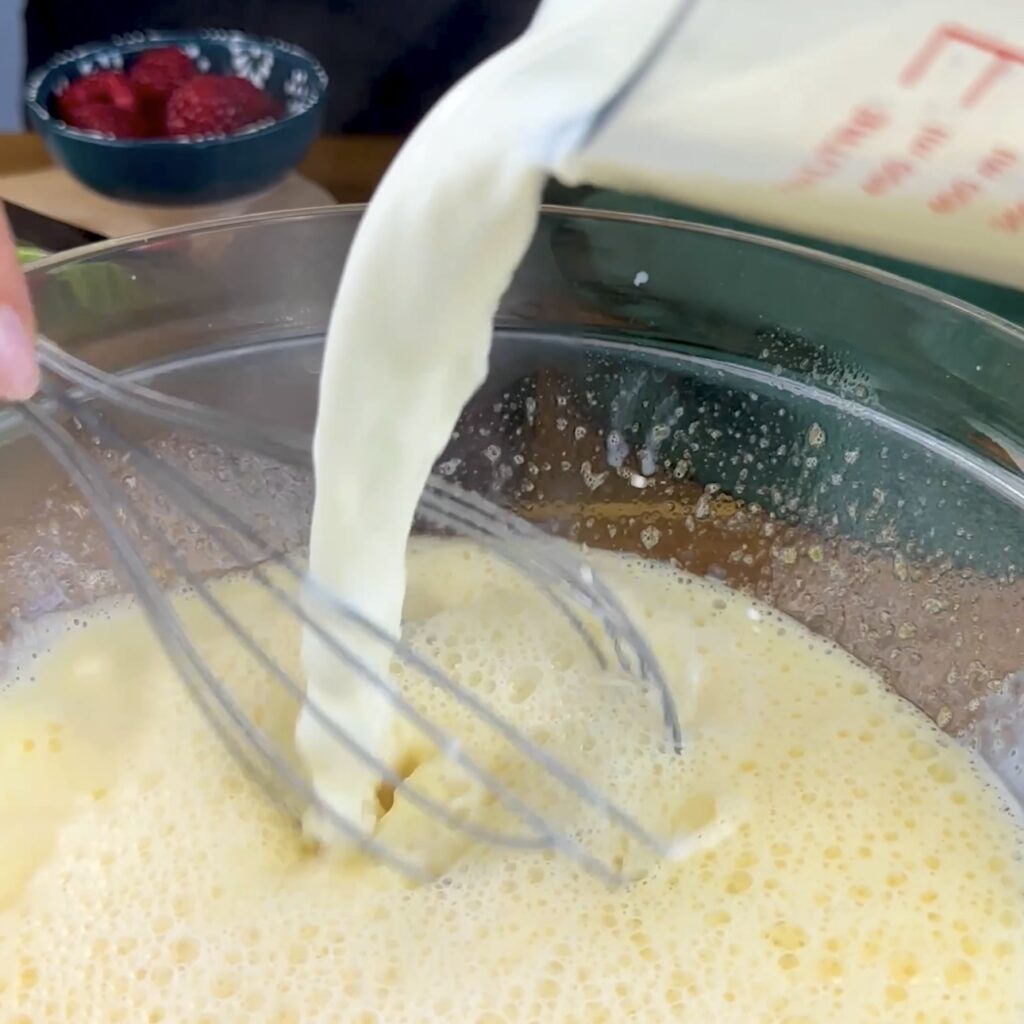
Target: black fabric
(388, 60)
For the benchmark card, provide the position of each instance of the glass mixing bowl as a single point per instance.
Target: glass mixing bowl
(846, 445)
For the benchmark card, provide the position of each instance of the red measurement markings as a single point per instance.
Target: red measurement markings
(1004, 59)
(955, 197)
(997, 162)
(962, 191)
(890, 173)
(830, 155)
(1010, 220)
(928, 140)
(895, 170)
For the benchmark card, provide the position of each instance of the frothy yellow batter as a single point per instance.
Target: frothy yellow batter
(843, 862)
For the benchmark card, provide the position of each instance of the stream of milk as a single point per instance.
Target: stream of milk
(410, 333)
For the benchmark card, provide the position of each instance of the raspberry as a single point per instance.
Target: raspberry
(216, 105)
(254, 104)
(101, 117)
(157, 73)
(101, 88)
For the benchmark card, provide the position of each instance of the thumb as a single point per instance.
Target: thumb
(19, 371)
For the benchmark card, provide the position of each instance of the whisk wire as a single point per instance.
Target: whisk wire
(201, 683)
(548, 837)
(440, 500)
(285, 445)
(446, 504)
(192, 499)
(518, 543)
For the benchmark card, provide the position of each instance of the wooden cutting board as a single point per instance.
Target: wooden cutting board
(54, 193)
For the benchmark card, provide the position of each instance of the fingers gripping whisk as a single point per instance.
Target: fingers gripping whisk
(76, 416)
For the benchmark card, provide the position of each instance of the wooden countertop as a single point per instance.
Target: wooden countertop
(349, 167)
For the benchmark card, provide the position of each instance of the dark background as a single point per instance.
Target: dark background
(388, 60)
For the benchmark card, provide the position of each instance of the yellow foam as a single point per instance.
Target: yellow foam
(839, 860)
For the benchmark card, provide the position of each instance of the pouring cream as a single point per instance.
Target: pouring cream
(411, 330)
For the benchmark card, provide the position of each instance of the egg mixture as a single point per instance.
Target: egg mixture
(836, 858)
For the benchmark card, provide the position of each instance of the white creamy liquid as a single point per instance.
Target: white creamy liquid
(411, 329)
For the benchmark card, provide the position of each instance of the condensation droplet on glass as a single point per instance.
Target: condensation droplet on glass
(649, 536)
(590, 478)
(617, 449)
(899, 566)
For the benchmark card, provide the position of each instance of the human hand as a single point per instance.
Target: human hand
(19, 371)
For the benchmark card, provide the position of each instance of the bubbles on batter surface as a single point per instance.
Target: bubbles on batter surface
(850, 863)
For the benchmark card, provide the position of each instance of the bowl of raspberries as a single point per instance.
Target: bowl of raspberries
(176, 118)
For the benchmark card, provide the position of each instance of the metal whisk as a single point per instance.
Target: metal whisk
(68, 418)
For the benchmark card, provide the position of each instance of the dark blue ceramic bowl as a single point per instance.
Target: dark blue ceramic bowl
(186, 172)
